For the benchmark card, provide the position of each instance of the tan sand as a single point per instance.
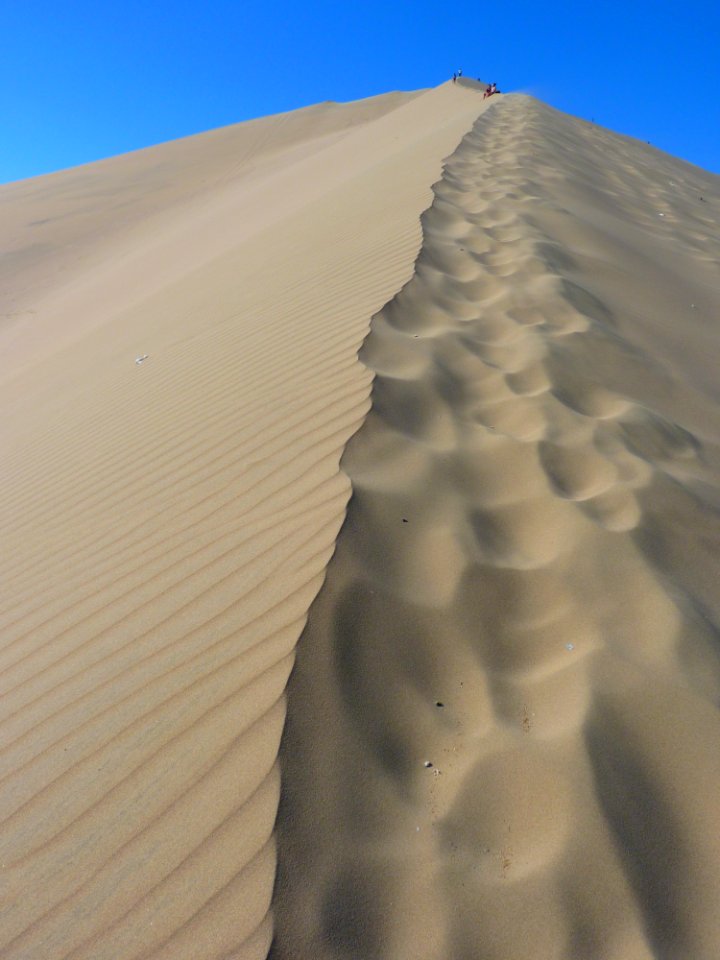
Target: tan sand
(503, 737)
(166, 525)
(516, 647)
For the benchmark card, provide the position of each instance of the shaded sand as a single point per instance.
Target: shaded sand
(503, 738)
(166, 523)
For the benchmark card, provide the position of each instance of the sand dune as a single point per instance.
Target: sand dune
(502, 730)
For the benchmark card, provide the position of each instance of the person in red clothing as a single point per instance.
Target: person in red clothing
(490, 90)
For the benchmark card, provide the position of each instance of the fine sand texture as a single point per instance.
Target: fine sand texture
(502, 738)
(179, 331)
(503, 732)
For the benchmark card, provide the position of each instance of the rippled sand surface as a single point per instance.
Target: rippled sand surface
(179, 376)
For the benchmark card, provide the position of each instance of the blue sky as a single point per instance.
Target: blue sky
(81, 80)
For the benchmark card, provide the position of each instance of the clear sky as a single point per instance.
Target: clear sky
(84, 79)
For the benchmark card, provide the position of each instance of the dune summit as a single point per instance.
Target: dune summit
(501, 738)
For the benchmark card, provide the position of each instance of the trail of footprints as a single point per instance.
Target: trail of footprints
(488, 479)
(465, 392)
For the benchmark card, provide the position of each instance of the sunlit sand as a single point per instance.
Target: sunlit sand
(417, 395)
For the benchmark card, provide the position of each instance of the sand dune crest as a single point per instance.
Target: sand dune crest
(502, 728)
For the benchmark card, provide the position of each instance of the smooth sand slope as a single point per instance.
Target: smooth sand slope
(165, 525)
(503, 739)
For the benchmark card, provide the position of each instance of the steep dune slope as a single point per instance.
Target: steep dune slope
(503, 737)
(166, 524)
